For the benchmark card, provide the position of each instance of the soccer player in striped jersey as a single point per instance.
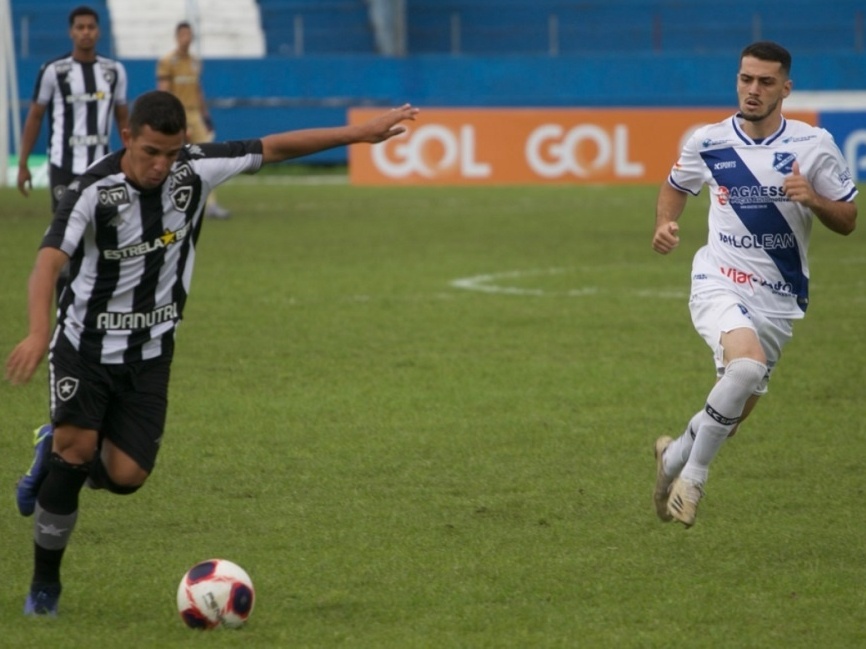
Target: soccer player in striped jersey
(129, 229)
(80, 92)
(769, 178)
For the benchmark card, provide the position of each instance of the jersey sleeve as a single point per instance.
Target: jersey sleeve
(220, 161)
(70, 222)
(689, 173)
(120, 90)
(45, 84)
(831, 176)
(163, 69)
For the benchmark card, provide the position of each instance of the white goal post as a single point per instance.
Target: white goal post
(10, 109)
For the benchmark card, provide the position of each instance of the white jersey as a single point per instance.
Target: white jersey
(80, 99)
(758, 239)
(132, 251)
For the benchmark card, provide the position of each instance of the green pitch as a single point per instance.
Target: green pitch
(423, 418)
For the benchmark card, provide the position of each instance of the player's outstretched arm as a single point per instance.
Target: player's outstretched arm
(27, 355)
(294, 144)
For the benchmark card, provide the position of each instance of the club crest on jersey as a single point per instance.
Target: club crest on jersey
(112, 196)
(58, 191)
(784, 162)
(66, 388)
(181, 198)
(110, 76)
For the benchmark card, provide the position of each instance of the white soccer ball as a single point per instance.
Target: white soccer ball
(215, 593)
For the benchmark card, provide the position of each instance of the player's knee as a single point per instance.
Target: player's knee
(747, 372)
(122, 488)
(121, 484)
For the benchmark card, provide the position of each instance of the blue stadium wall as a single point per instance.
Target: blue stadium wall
(254, 97)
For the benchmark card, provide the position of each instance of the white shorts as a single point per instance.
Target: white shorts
(716, 311)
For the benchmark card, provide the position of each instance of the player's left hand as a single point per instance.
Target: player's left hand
(387, 125)
(798, 188)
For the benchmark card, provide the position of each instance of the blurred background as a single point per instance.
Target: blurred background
(272, 65)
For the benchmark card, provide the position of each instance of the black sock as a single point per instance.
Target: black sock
(57, 507)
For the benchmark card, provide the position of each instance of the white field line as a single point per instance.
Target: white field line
(498, 283)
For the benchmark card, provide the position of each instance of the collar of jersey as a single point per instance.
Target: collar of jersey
(735, 120)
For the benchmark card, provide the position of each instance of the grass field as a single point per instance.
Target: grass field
(404, 460)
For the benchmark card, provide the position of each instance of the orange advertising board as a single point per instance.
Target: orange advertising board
(449, 146)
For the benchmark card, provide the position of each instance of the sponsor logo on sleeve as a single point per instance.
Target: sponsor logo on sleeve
(181, 174)
(113, 195)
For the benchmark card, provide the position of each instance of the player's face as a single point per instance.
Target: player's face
(761, 87)
(184, 38)
(149, 156)
(84, 33)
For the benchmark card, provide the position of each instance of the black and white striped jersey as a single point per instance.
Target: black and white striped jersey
(132, 251)
(80, 100)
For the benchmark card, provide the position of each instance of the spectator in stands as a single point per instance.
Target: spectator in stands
(80, 91)
(179, 73)
(769, 179)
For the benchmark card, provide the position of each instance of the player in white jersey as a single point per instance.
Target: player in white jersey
(768, 179)
(80, 92)
(129, 228)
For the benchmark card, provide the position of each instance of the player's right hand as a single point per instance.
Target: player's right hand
(666, 237)
(25, 182)
(387, 125)
(25, 358)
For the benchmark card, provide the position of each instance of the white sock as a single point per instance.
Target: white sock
(677, 454)
(724, 407)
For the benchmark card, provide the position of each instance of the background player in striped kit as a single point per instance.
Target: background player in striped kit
(768, 178)
(80, 92)
(130, 226)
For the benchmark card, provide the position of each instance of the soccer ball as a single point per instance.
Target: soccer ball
(215, 593)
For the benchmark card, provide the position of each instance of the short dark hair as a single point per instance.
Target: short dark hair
(82, 10)
(159, 110)
(182, 25)
(769, 51)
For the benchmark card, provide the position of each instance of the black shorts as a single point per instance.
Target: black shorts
(59, 180)
(125, 403)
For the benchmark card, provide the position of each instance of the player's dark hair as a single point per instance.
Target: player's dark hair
(182, 25)
(82, 10)
(159, 110)
(769, 51)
